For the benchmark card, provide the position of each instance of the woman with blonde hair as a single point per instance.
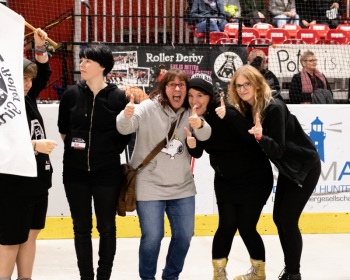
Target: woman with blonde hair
(289, 148)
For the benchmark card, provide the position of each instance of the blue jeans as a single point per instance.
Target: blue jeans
(180, 213)
(214, 26)
(283, 19)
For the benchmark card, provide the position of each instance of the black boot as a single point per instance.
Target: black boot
(287, 276)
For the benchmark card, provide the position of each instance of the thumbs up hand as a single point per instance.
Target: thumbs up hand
(191, 141)
(256, 130)
(195, 121)
(221, 110)
(130, 107)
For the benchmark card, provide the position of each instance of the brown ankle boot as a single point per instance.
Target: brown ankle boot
(256, 272)
(219, 266)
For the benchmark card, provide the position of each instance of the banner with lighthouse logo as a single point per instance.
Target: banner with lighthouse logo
(16, 152)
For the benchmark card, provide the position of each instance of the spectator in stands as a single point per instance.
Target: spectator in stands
(290, 149)
(283, 11)
(212, 9)
(329, 12)
(166, 184)
(307, 12)
(253, 11)
(91, 160)
(241, 191)
(257, 58)
(232, 10)
(24, 200)
(304, 83)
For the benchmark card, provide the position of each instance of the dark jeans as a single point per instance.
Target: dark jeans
(233, 217)
(290, 201)
(80, 198)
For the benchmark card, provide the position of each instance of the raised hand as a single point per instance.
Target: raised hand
(40, 37)
(130, 107)
(256, 130)
(194, 120)
(44, 146)
(191, 141)
(221, 111)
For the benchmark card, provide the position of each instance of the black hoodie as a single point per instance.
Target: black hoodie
(92, 141)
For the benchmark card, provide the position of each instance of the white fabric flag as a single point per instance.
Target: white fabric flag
(16, 152)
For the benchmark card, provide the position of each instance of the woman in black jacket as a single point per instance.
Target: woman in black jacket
(243, 177)
(283, 140)
(91, 161)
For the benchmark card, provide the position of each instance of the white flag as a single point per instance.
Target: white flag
(16, 152)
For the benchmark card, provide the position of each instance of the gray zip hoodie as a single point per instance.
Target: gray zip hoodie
(168, 175)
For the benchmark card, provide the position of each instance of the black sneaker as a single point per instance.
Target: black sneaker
(287, 276)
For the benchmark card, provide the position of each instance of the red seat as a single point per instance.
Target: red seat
(327, 42)
(340, 36)
(248, 34)
(214, 37)
(291, 29)
(320, 28)
(261, 41)
(294, 41)
(198, 34)
(262, 28)
(277, 35)
(309, 36)
(345, 27)
(231, 29)
(227, 41)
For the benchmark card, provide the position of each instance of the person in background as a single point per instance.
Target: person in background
(307, 12)
(309, 79)
(24, 200)
(213, 9)
(289, 148)
(91, 160)
(165, 184)
(253, 11)
(257, 58)
(330, 12)
(283, 11)
(243, 176)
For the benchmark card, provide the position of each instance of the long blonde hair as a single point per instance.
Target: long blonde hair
(262, 91)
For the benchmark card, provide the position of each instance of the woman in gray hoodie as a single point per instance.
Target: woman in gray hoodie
(166, 184)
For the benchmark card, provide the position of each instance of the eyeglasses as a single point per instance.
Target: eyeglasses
(174, 85)
(245, 86)
(311, 60)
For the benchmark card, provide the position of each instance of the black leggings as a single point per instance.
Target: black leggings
(290, 201)
(244, 218)
(80, 198)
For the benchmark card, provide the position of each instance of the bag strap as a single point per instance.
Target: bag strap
(160, 145)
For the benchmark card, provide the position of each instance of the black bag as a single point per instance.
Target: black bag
(255, 18)
(322, 96)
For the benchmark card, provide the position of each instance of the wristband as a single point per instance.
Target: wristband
(40, 50)
(258, 138)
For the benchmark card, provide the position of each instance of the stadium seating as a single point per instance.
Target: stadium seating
(338, 35)
(345, 27)
(231, 29)
(214, 37)
(261, 41)
(227, 41)
(248, 34)
(262, 28)
(291, 29)
(277, 35)
(327, 42)
(320, 28)
(309, 36)
(294, 41)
